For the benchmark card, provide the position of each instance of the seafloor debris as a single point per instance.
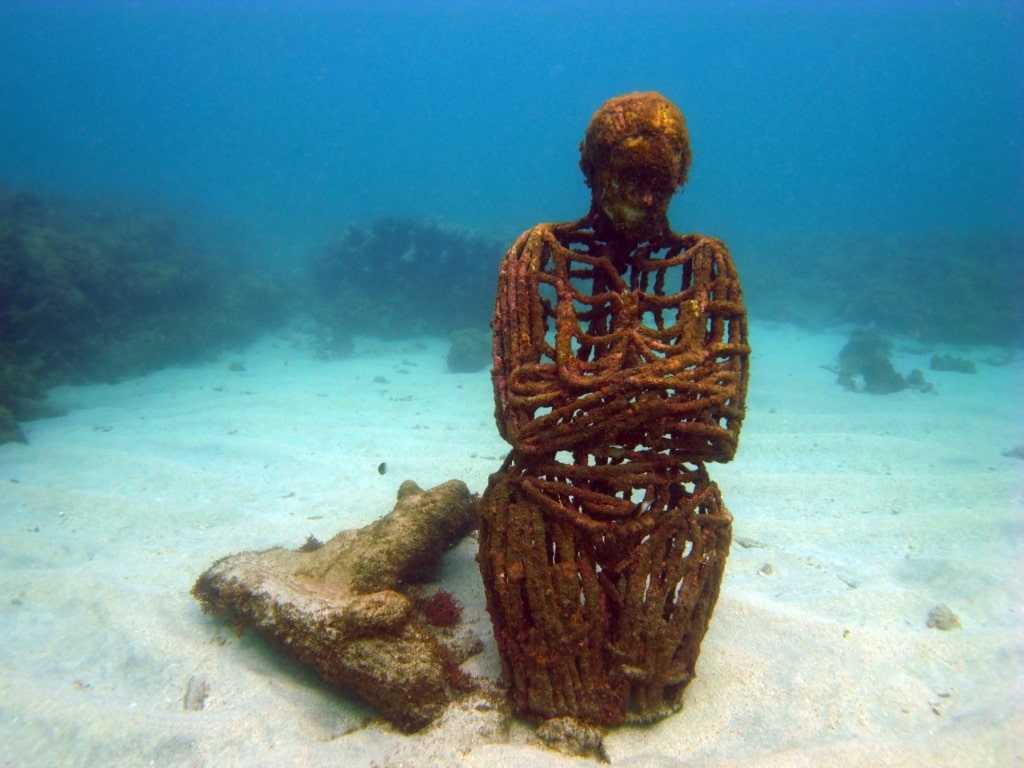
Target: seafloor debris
(573, 737)
(195, 693)
(942, 617)
(343, 607)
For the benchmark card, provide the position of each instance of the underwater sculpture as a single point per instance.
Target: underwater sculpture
(620, 369)
(346, 608)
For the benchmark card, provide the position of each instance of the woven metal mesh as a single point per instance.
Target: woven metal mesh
(618, 373)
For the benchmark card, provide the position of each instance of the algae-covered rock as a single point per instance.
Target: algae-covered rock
(10, 432)
(342, 607)
(866, 356)
(942, 617)
(470, 350)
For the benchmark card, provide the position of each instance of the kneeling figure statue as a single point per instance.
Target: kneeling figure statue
(620, 371)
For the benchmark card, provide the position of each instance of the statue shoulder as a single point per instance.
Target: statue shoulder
(697, 240)
(535, 243)
(708, 249)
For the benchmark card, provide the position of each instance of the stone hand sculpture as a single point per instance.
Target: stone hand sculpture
(620, 369)
(345, 607)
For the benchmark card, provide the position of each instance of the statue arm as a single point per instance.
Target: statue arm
(681, 384)
(519, 329)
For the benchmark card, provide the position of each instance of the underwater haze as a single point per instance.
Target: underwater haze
(249, 257)
(290, 119)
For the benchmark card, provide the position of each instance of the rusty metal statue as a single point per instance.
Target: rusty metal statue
(620, 369)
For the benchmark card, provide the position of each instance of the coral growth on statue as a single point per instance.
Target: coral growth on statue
(620, 369)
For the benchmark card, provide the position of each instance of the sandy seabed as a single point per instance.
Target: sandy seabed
(855, 516)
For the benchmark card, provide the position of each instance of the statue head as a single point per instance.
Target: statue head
(634, 156)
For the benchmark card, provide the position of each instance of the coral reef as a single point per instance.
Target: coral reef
(346, 609)
(396, 278)
(864, 366)
(98, 295)
(866, 356)
(10, 432)
(963, 288)
(952, 363)
(620, 368)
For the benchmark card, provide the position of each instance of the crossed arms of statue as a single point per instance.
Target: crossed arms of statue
(605, 351)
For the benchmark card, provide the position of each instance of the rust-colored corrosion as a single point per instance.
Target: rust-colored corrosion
(620, 368)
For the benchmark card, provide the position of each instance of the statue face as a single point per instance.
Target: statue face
(637, 207)
(634, 156)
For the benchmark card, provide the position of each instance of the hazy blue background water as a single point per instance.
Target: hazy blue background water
(290, 119)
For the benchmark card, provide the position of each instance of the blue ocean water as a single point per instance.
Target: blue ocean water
(291, 119)
(830, 139)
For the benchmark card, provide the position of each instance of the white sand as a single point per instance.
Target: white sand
(870, 511)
